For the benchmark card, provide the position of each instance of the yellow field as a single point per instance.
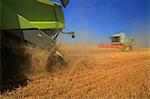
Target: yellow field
(92, 72)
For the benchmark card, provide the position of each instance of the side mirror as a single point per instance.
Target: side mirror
(73, 35)
(65, 3)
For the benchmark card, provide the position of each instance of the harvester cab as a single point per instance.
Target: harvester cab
(118, 38)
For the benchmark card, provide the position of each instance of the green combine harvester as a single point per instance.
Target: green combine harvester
(38, 22)
(35, 21)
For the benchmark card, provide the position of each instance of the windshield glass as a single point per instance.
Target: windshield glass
(115, 39)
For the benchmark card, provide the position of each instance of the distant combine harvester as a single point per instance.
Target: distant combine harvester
(119, 40)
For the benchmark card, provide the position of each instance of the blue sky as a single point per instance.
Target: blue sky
(95, 20)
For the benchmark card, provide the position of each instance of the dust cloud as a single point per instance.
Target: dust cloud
(140, 32)
(38, 58)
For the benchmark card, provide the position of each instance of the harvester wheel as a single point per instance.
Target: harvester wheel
(127, 48)
(56, 61)
(13, 69)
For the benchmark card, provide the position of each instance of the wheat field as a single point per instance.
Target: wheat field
(92, 73)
